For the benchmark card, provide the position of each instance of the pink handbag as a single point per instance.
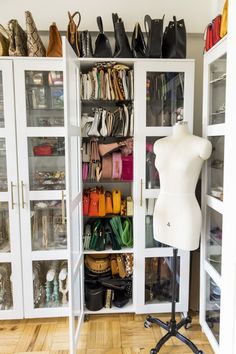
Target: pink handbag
(85, 171)
(116, 165)
(127, 168)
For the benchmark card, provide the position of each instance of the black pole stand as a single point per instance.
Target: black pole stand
(172, 327)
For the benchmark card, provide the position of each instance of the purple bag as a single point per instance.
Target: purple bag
(85, 171)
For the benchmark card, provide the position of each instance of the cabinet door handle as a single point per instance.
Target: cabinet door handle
(141, 192)
(63, 214)
(12, 196)
(22, 194)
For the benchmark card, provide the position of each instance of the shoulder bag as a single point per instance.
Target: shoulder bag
(102, 44)
(55, 44)
(18, 39)
(34, 43)
(154, 30)
(174, 40)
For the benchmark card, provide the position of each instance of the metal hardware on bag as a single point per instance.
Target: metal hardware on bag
(141, 192)
(12, 195)
(63, 217)
(22, 194)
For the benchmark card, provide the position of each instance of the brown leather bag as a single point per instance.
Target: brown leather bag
(4, 41)
(34, 43)
(72, 34)
(55, 44)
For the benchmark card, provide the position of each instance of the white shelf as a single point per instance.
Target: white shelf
(216, 130)
(4, 197)
(215, 204)
(126, 309)
(110, 251)
(49, 255)
(219, 79)
(5, 257)
(45, 131)
(49, 312)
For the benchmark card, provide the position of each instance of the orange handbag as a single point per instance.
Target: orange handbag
(94, 203)
(108, 202)
(102, 205)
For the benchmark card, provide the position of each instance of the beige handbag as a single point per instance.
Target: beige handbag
(34, 43)
(4, 41)
(18, 39)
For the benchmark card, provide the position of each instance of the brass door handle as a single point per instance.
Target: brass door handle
(63, 213)
(12, 195)
(141, 192)
(22, 194)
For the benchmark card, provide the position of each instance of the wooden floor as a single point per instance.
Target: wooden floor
(117, 334)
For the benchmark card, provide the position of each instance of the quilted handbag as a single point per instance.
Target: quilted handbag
(35, 45)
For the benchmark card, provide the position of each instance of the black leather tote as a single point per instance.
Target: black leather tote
(94, 297)
(102, 44)
(138, 43)
(122, 47)
(174, 40)
(86, 49)
(154, 30)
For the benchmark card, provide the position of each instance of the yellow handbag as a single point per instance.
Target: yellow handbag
(102, 204)
(224, 20)
(116, 200)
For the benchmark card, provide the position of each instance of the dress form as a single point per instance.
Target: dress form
(177, 215)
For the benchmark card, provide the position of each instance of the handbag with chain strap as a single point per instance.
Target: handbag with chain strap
(34, 43)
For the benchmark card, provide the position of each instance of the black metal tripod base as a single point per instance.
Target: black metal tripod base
(172, 329)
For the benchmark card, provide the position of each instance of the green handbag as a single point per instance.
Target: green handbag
(98, 240)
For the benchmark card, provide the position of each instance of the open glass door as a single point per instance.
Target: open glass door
(74, 197)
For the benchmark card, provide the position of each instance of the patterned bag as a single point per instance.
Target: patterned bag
(18, 39)
(34, 43)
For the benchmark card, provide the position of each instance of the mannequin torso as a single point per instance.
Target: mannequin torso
(177, 215)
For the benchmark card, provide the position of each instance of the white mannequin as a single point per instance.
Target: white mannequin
(177, 215)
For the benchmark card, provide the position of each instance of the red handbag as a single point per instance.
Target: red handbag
(85, 203)
(216, 23)
(43, 150)
(94, 203)
(208, 37)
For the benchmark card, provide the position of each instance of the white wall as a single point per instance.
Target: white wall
(217, 7)
(196, 13)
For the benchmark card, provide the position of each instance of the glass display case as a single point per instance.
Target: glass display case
(217, 90)
(3, 166)
(214, 239)
(164, 97)
(44, 98)
(4, 228)
(158, 276)
(50, 283)
(6, 287)
(216, 168)
(213, 294)
(152, 176)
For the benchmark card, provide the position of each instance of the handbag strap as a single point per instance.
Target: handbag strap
(71, 18)
(100, 24)
(4, 32)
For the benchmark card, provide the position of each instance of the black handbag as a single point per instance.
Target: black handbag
(154, 30)
(137, 43)
(86, 49)
(102, 44)
(94, 297)
(122, 47)
(174, 40)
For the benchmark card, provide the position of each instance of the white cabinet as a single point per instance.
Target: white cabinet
(161, 88)
(213, 235)
(46, 133)
(11, 295)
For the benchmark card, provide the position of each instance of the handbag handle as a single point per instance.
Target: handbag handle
(115, 18)
(100, 24)
(4, 32)
(147, 22)
(71, 17)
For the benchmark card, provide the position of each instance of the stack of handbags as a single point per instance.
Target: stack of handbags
(107, 161)
(217, 29)
(108, 280)
(103, 233)
(97, 202)
(107, 81)
(106, 123)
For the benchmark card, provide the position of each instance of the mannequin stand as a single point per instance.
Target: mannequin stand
(172, 327)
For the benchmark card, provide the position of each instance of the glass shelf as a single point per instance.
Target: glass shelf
(6, 300)
(216, 168)
(4, 228)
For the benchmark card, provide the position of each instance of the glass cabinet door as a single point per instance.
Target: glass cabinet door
(164, 97)
(216, 168)
(44, 98)
(214, 238)
(213, 295)
(217, 86)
